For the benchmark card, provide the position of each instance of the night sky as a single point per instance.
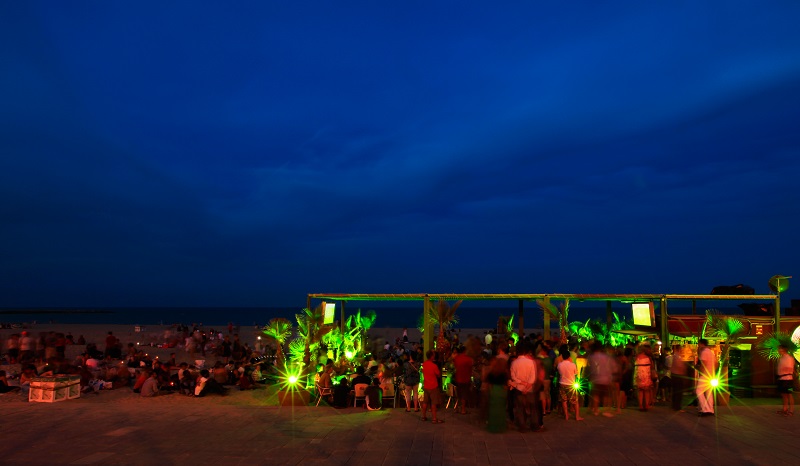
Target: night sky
(249, 153)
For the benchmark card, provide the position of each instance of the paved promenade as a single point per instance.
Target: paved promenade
(122, 428)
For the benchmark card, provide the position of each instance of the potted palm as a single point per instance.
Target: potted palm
(729, 329)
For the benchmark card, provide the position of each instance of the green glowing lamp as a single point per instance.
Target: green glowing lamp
(292, 379)
(348, 354)
(715, 382)
(779, 283)
(576, 385)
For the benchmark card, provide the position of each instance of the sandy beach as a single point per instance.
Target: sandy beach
(151, 336)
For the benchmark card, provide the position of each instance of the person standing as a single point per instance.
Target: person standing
(601, 371)
(523, 381)
(786, 365)
(411, 382)
(567, 392)
(679, 374)
(25, 348)
(431, 387)
(643, 377)
(706, 371)
(463, 377)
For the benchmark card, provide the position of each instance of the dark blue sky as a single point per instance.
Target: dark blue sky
(249, 153)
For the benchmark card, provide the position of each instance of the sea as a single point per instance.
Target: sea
(386, 316)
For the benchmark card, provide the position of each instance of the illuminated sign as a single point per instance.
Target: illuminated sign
(330, 312)
(643, 314)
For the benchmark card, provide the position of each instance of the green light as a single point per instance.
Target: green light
(348, 354)
(576, 385)
(715, 382)
(292, 379)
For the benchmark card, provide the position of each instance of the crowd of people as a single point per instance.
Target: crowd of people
(520, 384)
(505, 383)
(120, 365)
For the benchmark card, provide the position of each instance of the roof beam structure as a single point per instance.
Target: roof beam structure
(662, 297)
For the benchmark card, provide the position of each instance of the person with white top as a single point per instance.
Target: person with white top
(706, 372)
(786, 380)
(567, 393)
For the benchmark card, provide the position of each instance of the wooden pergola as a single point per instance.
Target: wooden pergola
(426, 298)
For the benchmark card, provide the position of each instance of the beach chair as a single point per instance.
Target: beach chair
(322, 392)
(450, 391)
(390, 391)
(360, 393)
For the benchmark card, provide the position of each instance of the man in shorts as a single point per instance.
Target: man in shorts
(786, 380)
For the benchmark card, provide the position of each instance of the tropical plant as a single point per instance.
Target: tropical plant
(727, 328)
(310, 328)
(443, 315)
(510, 333)
(601, 331)
(361, 323)
(278, 329)
(559, 313)
(768, 346)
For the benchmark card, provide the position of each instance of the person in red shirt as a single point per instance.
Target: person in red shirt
(463, 377)
(431, 388)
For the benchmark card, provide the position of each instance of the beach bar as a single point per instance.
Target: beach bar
(660, 325)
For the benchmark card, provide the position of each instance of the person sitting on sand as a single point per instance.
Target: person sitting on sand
(4, 387)
(207, 385)
(28, 373)
(140, 380)
(150, 386)
(187, 380)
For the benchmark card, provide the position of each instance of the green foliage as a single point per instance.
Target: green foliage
(510, 330)
(721, 326)
(768, 346)
(728, 328)
(441, 314)
(600, 330)
(278, 329)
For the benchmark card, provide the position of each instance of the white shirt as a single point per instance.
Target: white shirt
(523, 374)
(567, 372)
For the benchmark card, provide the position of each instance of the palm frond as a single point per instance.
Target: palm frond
(721, 326)
(278, 329)
(768, 346)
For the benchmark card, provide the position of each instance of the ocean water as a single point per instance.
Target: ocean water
(387, 316)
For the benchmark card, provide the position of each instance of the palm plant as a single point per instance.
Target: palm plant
(768, 347)
(278, 329)
(311, 328)
(559, 313)
(727, 328)
(510, 331)
(361, 323)
(443, 315)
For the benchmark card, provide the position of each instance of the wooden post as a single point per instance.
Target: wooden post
(521, 319)
(341, 324)
(546, 319)
(664, 323)
(427, 335)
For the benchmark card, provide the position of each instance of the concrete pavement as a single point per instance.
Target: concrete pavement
(119, 427)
